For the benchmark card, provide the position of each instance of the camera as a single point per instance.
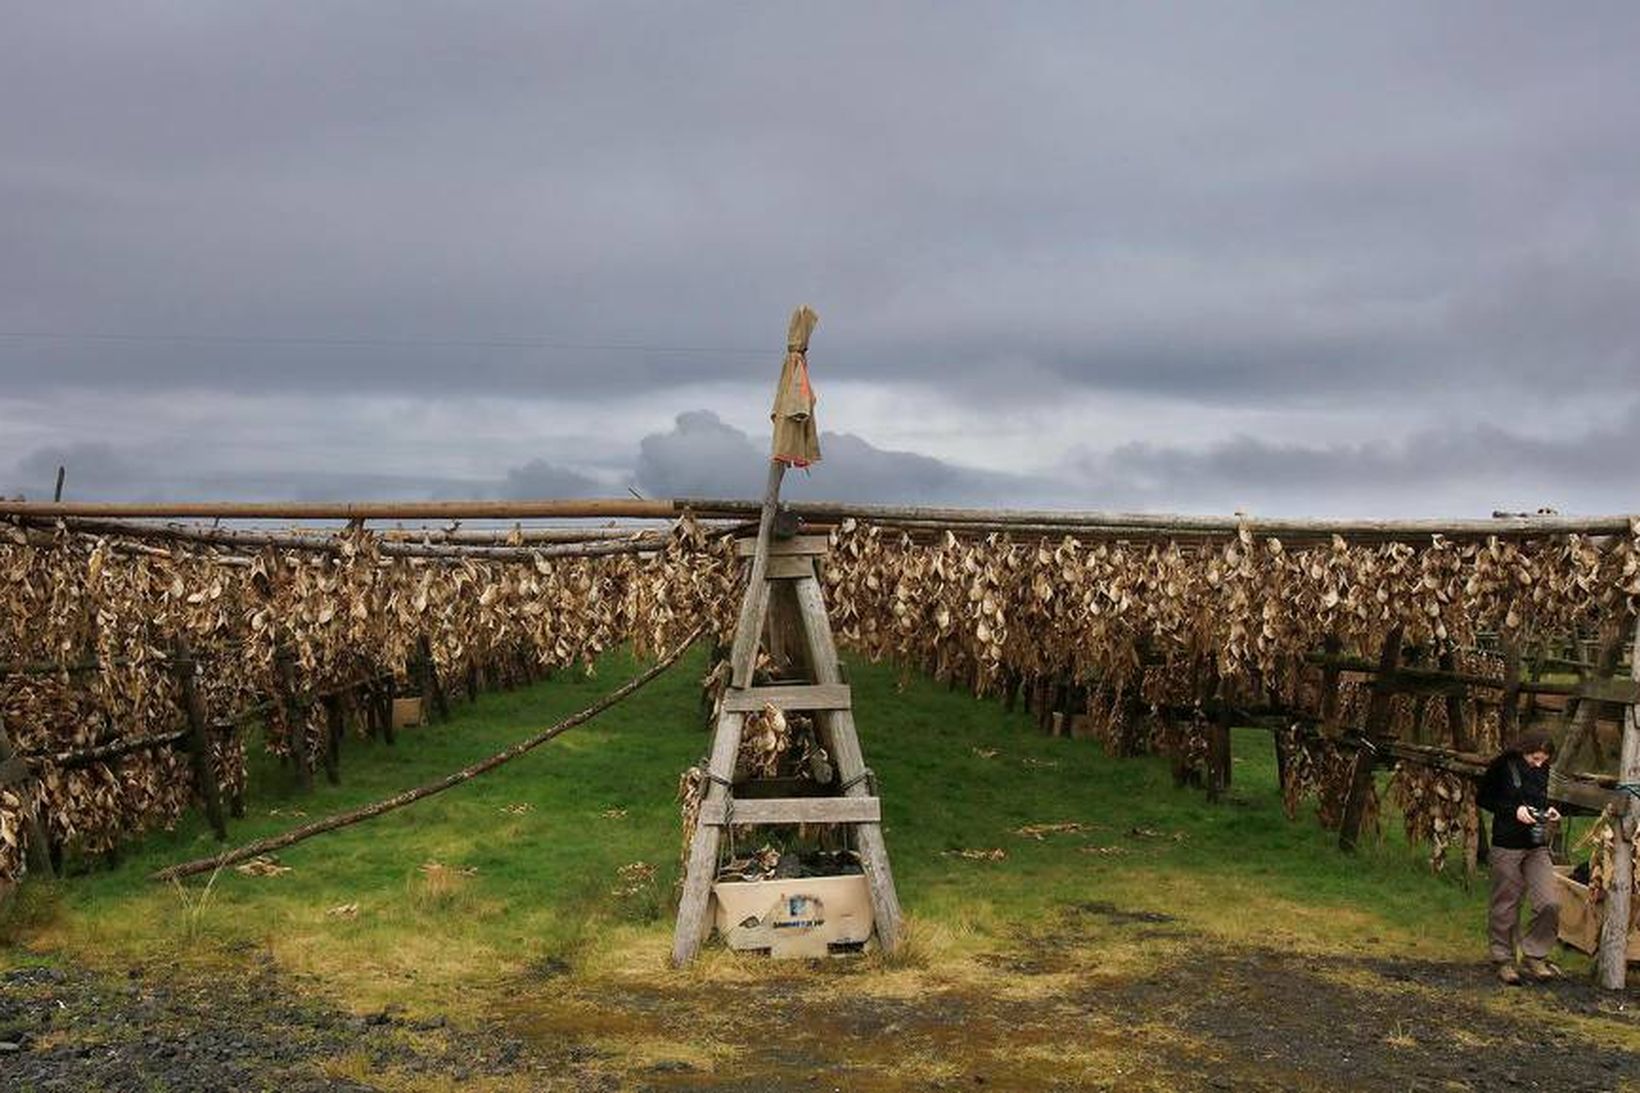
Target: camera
(1538, 832)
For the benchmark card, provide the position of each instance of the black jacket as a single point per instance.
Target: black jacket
(1508, 783)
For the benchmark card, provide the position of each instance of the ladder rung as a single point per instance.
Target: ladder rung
(796, 696)
(796, 810)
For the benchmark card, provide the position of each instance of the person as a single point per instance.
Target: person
(1515, 789)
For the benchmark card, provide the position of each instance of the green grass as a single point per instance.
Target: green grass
(532, 852)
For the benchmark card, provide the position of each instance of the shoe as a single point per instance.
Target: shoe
(1508, 976)
(1541, 970)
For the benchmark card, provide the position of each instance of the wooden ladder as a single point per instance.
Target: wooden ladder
(827, 697)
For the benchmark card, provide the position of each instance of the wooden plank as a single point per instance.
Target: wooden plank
(1582, 794)
(789, 567)
(701, 870)
(1623, 691)
(839, 737)
(799, 545)
(795, 810)
(799, 696)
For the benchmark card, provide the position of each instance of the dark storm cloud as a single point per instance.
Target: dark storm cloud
(1250, 204)
(98, 472)
(702, 456)
(1463, 472)
(538, 478)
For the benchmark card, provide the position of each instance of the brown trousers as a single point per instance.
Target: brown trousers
(1517, 873)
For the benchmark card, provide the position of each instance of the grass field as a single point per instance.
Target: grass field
(529, 858)
(533, 884)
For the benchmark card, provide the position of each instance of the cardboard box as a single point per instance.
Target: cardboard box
(798, 918)
(1580, 920)
(407, 712)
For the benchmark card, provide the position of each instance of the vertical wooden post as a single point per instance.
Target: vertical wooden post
(1509, 710)
(284, 674)
(840, 735)
(1611, 958)
(14, 771)
(1332, 646)
(754, 608)
(1366, 756)
(385, 694)
(228, 731)
(1457, 723)
(199, 744)
(432, 687)
(335, 729)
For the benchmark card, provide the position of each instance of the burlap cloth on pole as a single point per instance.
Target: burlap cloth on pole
(796, 436)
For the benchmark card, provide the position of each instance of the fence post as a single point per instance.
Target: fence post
(1366, 755)
(284, 672)
(199, 744)
(432, 688)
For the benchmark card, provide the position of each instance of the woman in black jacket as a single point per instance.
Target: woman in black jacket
(1515, 789)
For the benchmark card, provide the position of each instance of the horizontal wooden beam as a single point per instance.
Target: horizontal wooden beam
(790, 567)
(1085, 522)
(796, 696)
(797, 544)
(1623, 691)
(1165, 523)
(794, 810)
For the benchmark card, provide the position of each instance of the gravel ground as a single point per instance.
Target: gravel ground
(156, 1029)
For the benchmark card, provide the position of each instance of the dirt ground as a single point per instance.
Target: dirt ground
(1056, 1010)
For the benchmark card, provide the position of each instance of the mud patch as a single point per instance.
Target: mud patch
(246, 1028)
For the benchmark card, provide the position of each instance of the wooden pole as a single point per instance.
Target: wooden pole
(332, 739)
(284, 675)
(199, 744)
(432, 687)
(1611, 958)
(1366, 756)
(1112, 522)
(754, 608)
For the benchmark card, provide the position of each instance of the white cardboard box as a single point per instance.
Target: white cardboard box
(797, 918)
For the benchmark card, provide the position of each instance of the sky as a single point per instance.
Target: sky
(1316, 259)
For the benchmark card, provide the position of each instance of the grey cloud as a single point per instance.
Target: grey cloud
(1458, 472)
(538, 478)
(702, 456)
(96, 467)
(1276, 205)
(99, 472)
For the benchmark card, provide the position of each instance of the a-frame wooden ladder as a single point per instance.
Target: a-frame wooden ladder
(828, 698)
